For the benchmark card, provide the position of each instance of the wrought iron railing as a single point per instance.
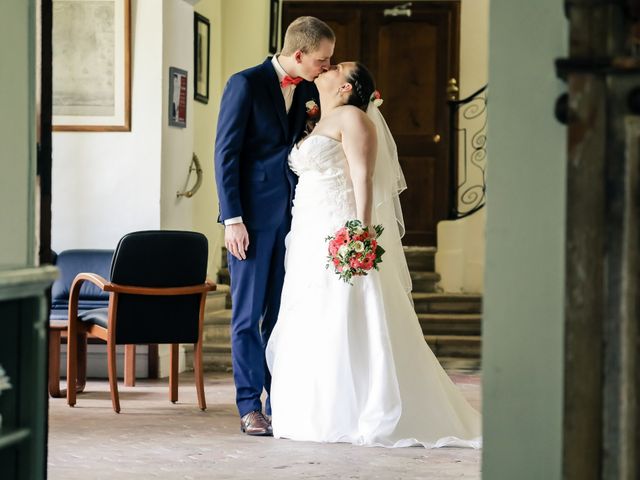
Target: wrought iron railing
(467, 151)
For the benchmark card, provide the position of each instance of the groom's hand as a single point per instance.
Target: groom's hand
(236, 239)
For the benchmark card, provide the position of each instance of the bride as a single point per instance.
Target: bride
(349, 362)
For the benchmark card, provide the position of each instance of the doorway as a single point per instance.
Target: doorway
(412, 52)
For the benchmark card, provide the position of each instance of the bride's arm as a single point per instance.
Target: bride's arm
(360, 146)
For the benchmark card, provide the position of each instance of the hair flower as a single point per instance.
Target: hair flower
(376, 98)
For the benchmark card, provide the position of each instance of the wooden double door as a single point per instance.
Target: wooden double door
(412, 57)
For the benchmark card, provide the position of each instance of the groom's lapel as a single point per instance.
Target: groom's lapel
(271, 81)
(297, 111)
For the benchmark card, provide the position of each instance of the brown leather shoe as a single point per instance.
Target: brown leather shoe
(255, 423)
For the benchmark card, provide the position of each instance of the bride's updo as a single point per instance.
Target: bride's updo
(363, 87)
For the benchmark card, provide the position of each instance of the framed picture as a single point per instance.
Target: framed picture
(177, 97)
(91, 65)
(201, 49)
(274, 19)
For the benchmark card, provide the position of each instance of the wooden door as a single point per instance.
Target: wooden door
(412, 58)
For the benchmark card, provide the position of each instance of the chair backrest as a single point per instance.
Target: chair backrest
(159, 258)
(72, 262)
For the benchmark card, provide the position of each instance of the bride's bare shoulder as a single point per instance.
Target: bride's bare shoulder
(353, 119)
(350, 115)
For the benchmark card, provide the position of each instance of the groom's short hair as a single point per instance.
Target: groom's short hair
(305, 34)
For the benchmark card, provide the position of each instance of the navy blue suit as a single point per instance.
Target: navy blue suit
(253, 140)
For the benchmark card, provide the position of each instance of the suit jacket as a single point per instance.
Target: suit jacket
(253, 140)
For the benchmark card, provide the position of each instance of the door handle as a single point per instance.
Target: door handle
(437, 138)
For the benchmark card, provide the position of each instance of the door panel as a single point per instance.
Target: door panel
(412, 59)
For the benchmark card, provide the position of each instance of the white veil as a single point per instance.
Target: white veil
(388, 183)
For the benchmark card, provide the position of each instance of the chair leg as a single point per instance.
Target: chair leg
(197, 360)
(54, 364)
(72, 366)
(173, 374)
(130, 365)
(82, 362)
(113, 376)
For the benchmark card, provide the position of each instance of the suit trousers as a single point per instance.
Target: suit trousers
(256, 286)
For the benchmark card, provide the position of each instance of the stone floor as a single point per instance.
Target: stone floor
(152, 438)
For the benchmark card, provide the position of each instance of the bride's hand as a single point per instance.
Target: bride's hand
(371, 231)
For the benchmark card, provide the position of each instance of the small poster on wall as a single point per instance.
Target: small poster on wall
(177, 97)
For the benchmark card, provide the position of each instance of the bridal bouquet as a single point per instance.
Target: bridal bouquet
(353, 251)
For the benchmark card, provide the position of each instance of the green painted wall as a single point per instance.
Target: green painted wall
(524, 279)
(17, 133)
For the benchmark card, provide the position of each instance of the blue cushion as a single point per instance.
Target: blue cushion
(72, 262)
(97, 316)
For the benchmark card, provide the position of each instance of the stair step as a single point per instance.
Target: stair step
(447, 302)
(216, 300)
(218, 317)
(465, 346)
(460, 364)
(215, 358)
(420, 258)
(451, 323)
(424, 282)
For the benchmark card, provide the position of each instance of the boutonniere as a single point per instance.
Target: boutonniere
(312, 109)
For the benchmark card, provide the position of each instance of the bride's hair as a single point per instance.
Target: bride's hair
(363, 87)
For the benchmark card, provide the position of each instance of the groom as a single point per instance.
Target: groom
(262, 113)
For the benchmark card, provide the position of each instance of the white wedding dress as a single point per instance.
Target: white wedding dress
(349, 362)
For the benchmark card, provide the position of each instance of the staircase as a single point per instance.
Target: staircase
(451, 323)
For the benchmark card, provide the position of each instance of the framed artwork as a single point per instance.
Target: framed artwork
(177, 97)
(201, 49)
(91, 65)
(274, 19)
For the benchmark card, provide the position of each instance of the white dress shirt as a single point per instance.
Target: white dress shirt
(287, 93)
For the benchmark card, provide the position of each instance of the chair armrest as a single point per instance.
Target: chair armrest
(135, 290)
(74, 294)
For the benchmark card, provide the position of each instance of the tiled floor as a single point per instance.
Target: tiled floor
(152, 438)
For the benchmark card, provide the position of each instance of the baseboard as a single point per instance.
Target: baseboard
(97, 361)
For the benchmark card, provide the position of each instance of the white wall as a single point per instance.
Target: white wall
(205, 120)
(17, 134)
(106, 184)
(177, 143)
(460, 258)
(474, 45)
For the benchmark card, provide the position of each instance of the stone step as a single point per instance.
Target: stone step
(451, 323)
(454, 353)
(424, 282)
(215, 358)
(216, 328)
(460, 364)
(458, 346)
(215, 301)
(420, 258)
(421, 281)
(447, 302)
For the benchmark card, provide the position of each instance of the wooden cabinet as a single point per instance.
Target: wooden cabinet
(23, 316)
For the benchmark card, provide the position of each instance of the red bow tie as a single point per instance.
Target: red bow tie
(287, 80)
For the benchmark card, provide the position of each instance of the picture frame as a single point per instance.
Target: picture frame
(274, 20)
(201, 56)
(91, 65)
(177, 97)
